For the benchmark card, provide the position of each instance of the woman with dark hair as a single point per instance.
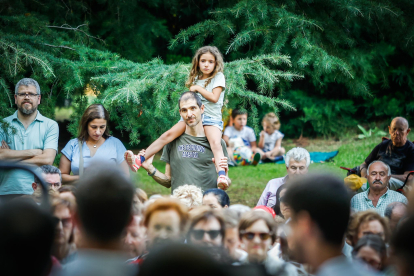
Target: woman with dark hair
(371, 250)
(95, 143)
(216, 199)
(281, 209)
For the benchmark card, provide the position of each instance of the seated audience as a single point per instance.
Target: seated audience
(240, 209)
(95, 143)
(297, 162)
(166, 221)
(207, 230)
(281, 209)
(231, 239)
(364, 223)
(371, 250)
(403, 248)
(104, 209)
(378, 196)
(140, 195)
(257, 232)
(397, 153)
(241, 140)
(216, 199)
(67, 192)
(64, 248)
(134, 239)
(270, 142)
(395, 211)
(26, 239)
(181, 259)
(190, 195)
(34, 139)
(52, 177)
(320, 212)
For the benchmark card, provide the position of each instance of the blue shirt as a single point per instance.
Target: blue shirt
(42, 133)
(361, 202)
(112, 150)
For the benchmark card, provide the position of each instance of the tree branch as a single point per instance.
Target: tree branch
(60, 46)
(68, 27)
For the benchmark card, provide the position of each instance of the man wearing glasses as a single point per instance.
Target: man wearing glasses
(26, 136)
(52, 177)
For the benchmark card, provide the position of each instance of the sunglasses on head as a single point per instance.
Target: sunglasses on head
(199, 234)
(250, 235)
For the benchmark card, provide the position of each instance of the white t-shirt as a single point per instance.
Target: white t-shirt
(213, 110)
(246, 133)
(271, 139)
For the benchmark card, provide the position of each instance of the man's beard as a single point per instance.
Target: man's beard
(25, 111)
(193, 124)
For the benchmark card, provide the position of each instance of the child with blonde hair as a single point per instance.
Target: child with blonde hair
(270, 142)
(207, 79)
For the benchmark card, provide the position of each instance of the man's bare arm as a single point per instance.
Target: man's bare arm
(16, 155)
(46, 158)
(159, 177)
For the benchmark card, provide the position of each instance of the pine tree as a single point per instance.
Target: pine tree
(348, 51)
(141, 97)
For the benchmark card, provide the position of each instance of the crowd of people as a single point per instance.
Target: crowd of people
(98, 223)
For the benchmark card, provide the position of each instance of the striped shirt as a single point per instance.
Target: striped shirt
(361, 202)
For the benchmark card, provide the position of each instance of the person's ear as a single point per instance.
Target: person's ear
(202, 108)
(39, 98)
(408, 130)
(226, 206)
(34, 186)
(389, 129)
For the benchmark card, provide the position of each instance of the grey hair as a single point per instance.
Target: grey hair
(378, 161)
(390, 207)
(27, 82)
(48, 169)
(297, 154)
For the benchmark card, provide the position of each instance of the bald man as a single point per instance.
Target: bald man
(398, 153)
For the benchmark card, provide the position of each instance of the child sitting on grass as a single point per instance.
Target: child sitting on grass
(270, 142)
(241, 140)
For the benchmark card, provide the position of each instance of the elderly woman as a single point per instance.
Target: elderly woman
(216, 199)
(257, 231)
(95, 144)
(297, 162)
(190, 195)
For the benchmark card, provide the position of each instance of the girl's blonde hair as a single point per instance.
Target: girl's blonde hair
(195, 71)
(272, 120)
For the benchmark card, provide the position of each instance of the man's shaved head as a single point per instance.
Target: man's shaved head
(401, 120)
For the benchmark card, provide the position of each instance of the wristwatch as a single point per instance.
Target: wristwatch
(152, 174)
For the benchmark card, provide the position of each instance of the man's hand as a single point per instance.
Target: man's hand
(4, 145)
(148, 162)
(223, 164)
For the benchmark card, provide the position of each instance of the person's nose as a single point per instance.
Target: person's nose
(206, 238)
(256, 239)
(128, 239)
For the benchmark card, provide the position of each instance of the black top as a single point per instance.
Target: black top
(400, 159)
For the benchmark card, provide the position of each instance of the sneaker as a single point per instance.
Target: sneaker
(222, 182)
(133, 161)
(256, 159)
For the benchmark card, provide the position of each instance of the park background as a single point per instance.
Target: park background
(324, 67)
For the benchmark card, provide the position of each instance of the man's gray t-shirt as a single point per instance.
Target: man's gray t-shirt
(190, 161)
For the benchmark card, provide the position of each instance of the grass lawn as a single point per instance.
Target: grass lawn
(248, 182)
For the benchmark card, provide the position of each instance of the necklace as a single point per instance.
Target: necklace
(97, 142)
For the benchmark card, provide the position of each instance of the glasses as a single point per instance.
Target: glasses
(250, 235)
(66, 222)
(27, 95)
(199, 234)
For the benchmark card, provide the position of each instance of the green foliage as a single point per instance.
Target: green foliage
(355, 56)
(141, 97)
(370, 133)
